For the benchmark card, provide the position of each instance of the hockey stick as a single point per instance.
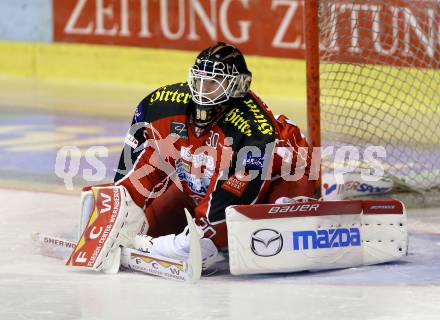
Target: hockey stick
(190, 270)
(132, 259)
(52, 246)
(194, 264)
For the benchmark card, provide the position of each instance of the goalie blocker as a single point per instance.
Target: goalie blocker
(315, 235)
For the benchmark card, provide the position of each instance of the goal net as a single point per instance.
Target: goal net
(379, 82)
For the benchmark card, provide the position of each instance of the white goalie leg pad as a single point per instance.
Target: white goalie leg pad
(384, 231)
(115, 221)
(314, 235)
(88, 207)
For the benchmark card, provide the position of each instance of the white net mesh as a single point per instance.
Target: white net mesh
(380, 85)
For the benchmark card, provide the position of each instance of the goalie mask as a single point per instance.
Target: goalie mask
(218, 74)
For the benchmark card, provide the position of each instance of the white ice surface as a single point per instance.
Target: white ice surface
(37, 287)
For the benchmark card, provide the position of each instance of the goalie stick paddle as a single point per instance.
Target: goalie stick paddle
(194, 264)
(59, 248)
(165, 267)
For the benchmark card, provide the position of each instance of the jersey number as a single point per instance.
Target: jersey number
(212, 141)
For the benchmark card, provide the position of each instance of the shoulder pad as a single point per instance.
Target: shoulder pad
(166, 101)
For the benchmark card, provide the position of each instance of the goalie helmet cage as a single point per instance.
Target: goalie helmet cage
(373, 78)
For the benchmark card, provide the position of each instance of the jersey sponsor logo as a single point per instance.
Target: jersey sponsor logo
(235, 185)
(198, 160)
(182, 166)
(235, 117)
(295, 208)
(251, 162)
(195, 184)
(139, 113)
(324, 239)
(208, 173)
(266, 242)
(179, 129)
(163, 94)
(263, 124)
(186, 154)
(131, 141)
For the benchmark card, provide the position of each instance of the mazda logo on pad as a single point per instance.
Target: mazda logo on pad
(266, 242)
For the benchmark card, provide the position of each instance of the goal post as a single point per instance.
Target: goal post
(312, 73)
(373, 78)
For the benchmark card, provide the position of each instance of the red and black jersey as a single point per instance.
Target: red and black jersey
(231, 162)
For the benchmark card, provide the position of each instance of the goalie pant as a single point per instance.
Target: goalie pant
(162, 129)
